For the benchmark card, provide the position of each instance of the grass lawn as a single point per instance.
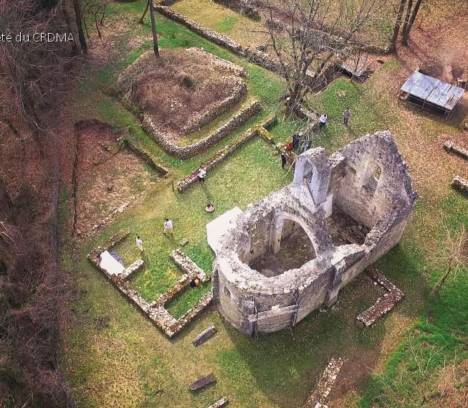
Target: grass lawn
(129, 363)
(248, 32)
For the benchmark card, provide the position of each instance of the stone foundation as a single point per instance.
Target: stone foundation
(184, 152)
(224, 153)
(384, 304)
(319, 396)
(156, 310)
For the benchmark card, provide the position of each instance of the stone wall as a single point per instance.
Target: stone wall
(256, 303)
(166, 141)
(222, 154)
(156, 311)
(241, 6)
(257, 57)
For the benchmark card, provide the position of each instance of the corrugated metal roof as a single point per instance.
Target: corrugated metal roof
(433, 90)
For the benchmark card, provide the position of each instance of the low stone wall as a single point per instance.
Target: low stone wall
(452, 147)
(185, 152)
(254, 56)
(222, 154)
(188, 266)
(460, 184)
(319, 396)
(138, 151)
(241, 6)
(198, 121)
(335, 38)
(384, 304)
(156, 311)
(257, 57)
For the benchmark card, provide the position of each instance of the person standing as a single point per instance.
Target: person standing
(296, 140)
(201, 175)
(284, 160)
(346, 117)
(323, 120)
(139, 244)
(168, 227)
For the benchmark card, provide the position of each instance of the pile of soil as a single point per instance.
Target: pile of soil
(183, 89)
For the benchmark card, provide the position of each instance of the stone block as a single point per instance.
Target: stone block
(202, 383)
(204, 336)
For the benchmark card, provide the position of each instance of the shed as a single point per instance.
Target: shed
(432, 92)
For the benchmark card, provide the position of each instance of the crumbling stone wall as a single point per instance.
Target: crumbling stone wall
(243, 7)
(380, 199)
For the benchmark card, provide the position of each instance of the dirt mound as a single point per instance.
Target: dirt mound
(184, 89)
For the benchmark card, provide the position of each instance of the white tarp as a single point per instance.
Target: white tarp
(217, 228)
(110, 264)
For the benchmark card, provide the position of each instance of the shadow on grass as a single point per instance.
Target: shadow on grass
(286, 365)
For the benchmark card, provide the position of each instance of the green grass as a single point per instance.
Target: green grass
(187, 300)
(127, 363)
(227, 24)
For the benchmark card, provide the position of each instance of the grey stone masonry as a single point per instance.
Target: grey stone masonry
(319, 397)
(134, 267)
(185, 152)
(223, 154)
(188, 266)
(384, 303)
(367, 183)
(204, 336)
(156, 311)
(241, 6)
(452, 147)
(202, 382)
(220, 403)
(460, 184)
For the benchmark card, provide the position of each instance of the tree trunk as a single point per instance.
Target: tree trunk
(409, 10)
(66, 17)
(442, 280)
(153, 29)
(396, 29)
(142, 19)
(294, 99)
(414, 14)
(79, 25)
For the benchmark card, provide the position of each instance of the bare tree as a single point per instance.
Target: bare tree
(397, 26)
(149, 6)
(411, 15)
(153, 28)
(79, 24)
(96, 10)
(33, 69)
(142, 18)
(456, 256)
(314, 36)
